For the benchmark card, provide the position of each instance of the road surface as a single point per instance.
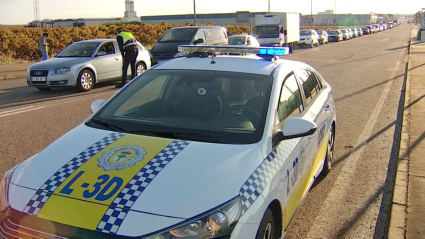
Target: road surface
(367, 76)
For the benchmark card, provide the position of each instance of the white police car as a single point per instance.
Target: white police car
(196, 147)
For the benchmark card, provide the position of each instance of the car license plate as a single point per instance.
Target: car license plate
(38, 78)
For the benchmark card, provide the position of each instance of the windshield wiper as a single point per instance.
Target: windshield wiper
(163, 133)
(181, 135)
(108, 125)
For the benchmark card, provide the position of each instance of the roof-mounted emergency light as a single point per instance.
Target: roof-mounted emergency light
(268, 53)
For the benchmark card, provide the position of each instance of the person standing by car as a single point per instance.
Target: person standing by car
(129, 51)
(42, 46)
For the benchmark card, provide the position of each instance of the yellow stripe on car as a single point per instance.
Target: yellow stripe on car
(98, 181)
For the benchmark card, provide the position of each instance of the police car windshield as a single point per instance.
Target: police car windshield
(333, 33)
(81, 49)
(231, 106)
(178, 35)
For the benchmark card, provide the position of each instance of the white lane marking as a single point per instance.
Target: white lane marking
(19, 109)
(22, 111)
(346, 177)
(57, 102)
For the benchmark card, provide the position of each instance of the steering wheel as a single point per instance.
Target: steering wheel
(243, 107)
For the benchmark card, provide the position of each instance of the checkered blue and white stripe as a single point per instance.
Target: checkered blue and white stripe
(42, 195)
(263, 175)
(112, 219)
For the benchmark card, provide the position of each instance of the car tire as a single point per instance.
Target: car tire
(140, 68)
(85, 81)
(44, 88)
(268, 228)
(329, 153)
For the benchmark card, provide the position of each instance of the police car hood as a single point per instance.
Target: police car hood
(88, 171)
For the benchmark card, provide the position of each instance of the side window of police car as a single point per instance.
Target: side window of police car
(311, 86)
(290, 101)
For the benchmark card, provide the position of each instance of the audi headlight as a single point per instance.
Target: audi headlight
(180, 54)
(61, 70)
(4, 190)
(216, 223)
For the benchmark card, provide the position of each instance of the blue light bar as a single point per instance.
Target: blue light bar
(260, 51)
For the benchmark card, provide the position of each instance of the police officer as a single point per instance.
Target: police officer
(129, 51)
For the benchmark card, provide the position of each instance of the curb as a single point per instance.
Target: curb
(398, 214)
(15, 76)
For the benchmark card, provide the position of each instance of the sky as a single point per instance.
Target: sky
(22, 11)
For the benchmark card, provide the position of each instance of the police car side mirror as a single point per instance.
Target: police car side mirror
(295, 127)
(96, 105)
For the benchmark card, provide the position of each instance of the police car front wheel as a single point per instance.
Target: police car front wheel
(329, 153)
(268, 228)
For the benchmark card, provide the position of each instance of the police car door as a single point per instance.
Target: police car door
(291, 152)
(318, 108)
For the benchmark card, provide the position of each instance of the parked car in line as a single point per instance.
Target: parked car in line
(346, 33)
(366, 31)
(359, 31)
(308, 38)
(379, 27)
(371, 29)
(336, 35)
(243, 40)
(167, 46)
(353, 32)
(84, 64)
(323, 37)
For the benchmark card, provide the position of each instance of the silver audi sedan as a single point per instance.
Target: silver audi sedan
(83, 64)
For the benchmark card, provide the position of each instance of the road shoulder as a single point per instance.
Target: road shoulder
(408, 204)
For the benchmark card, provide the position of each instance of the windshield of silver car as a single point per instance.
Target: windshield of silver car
(80, 49)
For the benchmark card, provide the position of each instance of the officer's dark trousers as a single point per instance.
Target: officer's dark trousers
(130, 56)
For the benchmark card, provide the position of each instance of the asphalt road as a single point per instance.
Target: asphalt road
(367, 75)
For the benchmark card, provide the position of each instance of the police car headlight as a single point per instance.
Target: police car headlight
(180, 54)
(61, 70)
(307, 39)
(215, 223)
(4, 190)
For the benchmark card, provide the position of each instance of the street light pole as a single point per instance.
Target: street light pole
(311, 15)
(194, 12)
(269, 6)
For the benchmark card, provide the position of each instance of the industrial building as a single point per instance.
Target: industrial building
(327, 18)
(129, 16)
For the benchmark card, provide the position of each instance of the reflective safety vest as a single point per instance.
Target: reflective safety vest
(127, 39)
